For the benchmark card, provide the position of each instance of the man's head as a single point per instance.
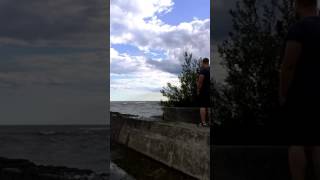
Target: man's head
(306, 7)
(205, 62)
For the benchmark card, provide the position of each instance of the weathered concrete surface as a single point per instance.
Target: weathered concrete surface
(182, 146)
(19, 169)
(185, 114)
(142, 167)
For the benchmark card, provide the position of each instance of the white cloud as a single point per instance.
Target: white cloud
(124, 63)
(133, 74)
(137, 23)
(151, 82)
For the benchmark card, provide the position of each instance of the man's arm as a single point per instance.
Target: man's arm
(292, 54)
(200, 83)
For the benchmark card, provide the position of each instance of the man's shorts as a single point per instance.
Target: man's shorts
(301, 122)
(204, 100)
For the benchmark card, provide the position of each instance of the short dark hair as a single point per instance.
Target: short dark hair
(205, 60)
(307, 3)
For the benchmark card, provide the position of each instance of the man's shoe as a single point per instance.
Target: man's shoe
(203, 125)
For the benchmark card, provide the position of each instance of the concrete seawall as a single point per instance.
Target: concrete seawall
(181, 146)
(185, 114)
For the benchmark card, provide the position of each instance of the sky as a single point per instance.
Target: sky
(147, 41)
(53, 63)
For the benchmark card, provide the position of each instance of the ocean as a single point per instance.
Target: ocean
(83, 147)
(147, 110)
(74, 146)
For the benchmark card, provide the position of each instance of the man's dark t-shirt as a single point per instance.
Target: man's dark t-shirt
(204, 96)
(304, 93)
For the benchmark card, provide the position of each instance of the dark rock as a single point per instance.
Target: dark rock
(19, 169)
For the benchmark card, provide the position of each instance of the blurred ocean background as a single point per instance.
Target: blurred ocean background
(75, 146)
(80, 146)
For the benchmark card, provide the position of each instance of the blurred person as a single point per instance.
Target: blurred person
(299, 92)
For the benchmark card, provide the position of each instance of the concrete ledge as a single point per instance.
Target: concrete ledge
(182, 114)
(182, 146)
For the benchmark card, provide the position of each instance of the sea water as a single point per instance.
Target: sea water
(83, 147)
(148, 110)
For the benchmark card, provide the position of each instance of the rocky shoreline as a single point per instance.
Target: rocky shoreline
(20, 169)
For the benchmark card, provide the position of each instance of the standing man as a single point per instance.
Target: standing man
(203, 91)
(300, 87)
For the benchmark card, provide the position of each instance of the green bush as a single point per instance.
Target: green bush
(185, 94)
(251, 55)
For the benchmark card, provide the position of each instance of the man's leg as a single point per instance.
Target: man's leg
(207, 116)
(316, 161)
(203, 115)
(297, 162)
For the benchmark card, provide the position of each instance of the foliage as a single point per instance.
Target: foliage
(185, 95)
(251, 55)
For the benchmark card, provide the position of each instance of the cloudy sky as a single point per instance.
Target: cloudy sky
(147, 40)
(53, 62)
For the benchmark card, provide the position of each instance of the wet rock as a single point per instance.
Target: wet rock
(19, 169)
(118, 174)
